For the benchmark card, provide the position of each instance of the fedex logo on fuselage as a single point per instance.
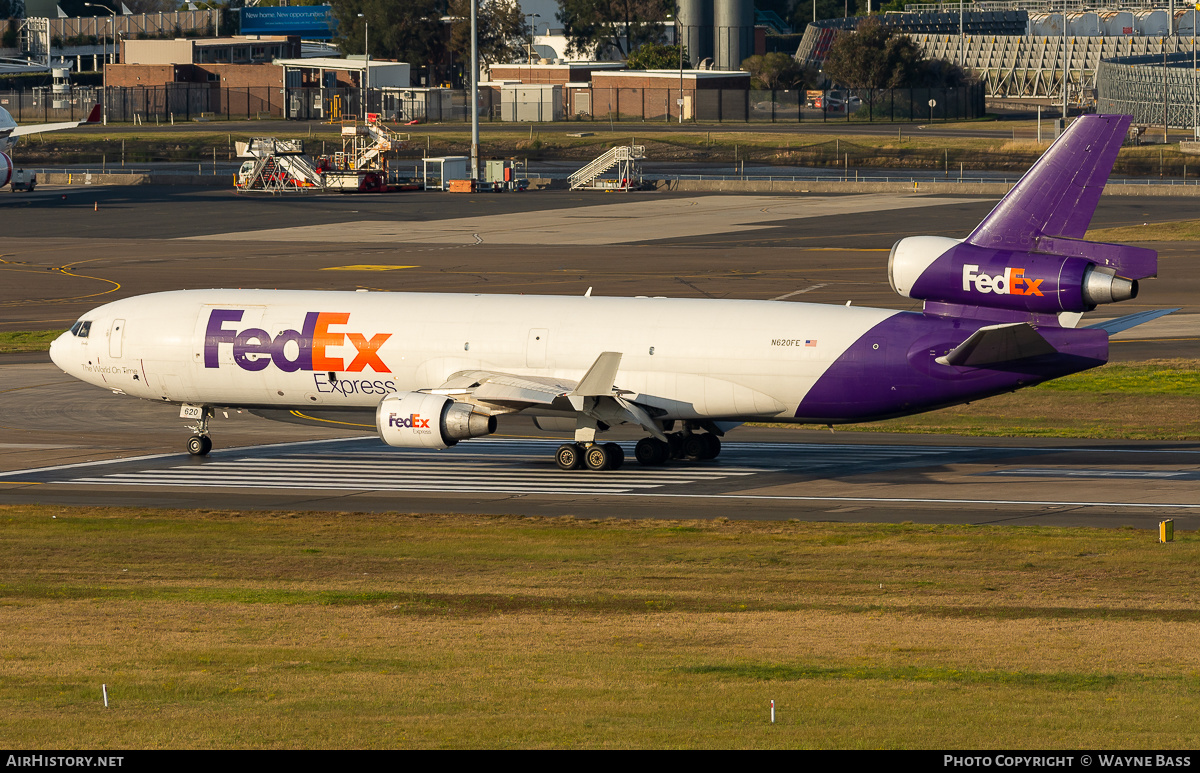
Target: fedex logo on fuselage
(1012, 282)
(292, 350)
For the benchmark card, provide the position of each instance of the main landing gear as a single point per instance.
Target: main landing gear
(594, 456)
(651, 452)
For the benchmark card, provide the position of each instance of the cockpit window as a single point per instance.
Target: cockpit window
(81, 329)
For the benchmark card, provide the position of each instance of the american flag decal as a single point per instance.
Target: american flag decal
(810, 342)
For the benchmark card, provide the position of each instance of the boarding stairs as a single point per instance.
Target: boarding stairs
(624, 157)
(280, 166)
(363, 144)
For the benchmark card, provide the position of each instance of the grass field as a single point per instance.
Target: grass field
(1151, 400)
(27, 340)
(287, 630)
(895, 146)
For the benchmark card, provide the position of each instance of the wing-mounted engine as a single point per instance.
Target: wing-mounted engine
(420, 420)
(1076, 276)
(6, 167)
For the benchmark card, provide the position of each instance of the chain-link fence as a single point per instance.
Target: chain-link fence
(188, 101)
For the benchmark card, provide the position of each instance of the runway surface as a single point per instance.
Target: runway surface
(65, 442)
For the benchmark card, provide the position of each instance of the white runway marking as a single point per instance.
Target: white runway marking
(493, 468)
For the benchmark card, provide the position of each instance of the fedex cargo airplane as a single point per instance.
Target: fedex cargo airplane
(10, 132)
(1000, 313)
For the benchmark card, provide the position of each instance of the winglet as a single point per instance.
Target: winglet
(94, 116)
(599, 379)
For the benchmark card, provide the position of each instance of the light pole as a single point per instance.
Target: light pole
(474, 92)
(531, 17)
(104, 73)
(366, 65)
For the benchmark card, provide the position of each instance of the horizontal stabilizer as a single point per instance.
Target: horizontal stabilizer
(1113, 326)
(998, 343)
(1128, 261)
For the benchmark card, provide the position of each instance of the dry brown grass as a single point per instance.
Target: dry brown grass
(342, 630)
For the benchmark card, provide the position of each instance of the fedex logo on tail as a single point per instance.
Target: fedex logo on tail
(292, 350)
(1012, 282)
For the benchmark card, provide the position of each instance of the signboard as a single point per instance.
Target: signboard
(313, 22)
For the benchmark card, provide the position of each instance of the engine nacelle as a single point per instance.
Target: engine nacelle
(420, 420)
(6, 168)
(934, 268)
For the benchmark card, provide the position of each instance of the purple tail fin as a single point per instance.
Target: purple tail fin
(1058, 196)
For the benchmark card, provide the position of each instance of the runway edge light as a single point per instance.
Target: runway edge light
(1166, 530)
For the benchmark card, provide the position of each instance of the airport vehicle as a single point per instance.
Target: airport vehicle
(1000, 313)
(24, 180)
(10, 132)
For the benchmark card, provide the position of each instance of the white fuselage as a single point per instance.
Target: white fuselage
(691, 358)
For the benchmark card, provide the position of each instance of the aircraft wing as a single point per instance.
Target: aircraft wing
(594, 396)
(505, 389)
(38, 128)
(1058, 196)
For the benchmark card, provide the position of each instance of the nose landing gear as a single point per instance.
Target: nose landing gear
(199, 444)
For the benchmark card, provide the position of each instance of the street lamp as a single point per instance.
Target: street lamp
(367, 69)
(104, 72)
(531, 17)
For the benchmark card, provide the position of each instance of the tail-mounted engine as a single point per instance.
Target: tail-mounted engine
(1063, 275)
(419, 420)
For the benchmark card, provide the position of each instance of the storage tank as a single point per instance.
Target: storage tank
(1185, 23)
(733, 28)
(696, 29)
(1083, 25)
(1117, 23)
(1152, 24)
(1049, 25)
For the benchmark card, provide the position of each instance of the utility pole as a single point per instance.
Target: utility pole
(474, 91)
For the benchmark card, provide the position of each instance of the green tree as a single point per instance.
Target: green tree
(503, 33)
(594, 27)
(409, 31)
(776, 70)
(656, 56)
(879, 57)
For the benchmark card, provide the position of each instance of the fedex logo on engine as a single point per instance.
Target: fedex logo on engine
(292, 350)
(1012, 282)
(412, 421)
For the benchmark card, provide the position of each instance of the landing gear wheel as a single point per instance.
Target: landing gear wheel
(616, 456)
(569, 457)
(652, 452)
(199, 445)
(712, 447)
(694, 447)
(596, 458)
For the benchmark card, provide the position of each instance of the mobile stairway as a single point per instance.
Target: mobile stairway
(277, 166)
(625, 158)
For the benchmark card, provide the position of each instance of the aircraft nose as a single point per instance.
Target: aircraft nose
(58, 349)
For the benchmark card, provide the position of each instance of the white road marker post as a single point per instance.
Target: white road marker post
(772, 712)
(104, 690)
